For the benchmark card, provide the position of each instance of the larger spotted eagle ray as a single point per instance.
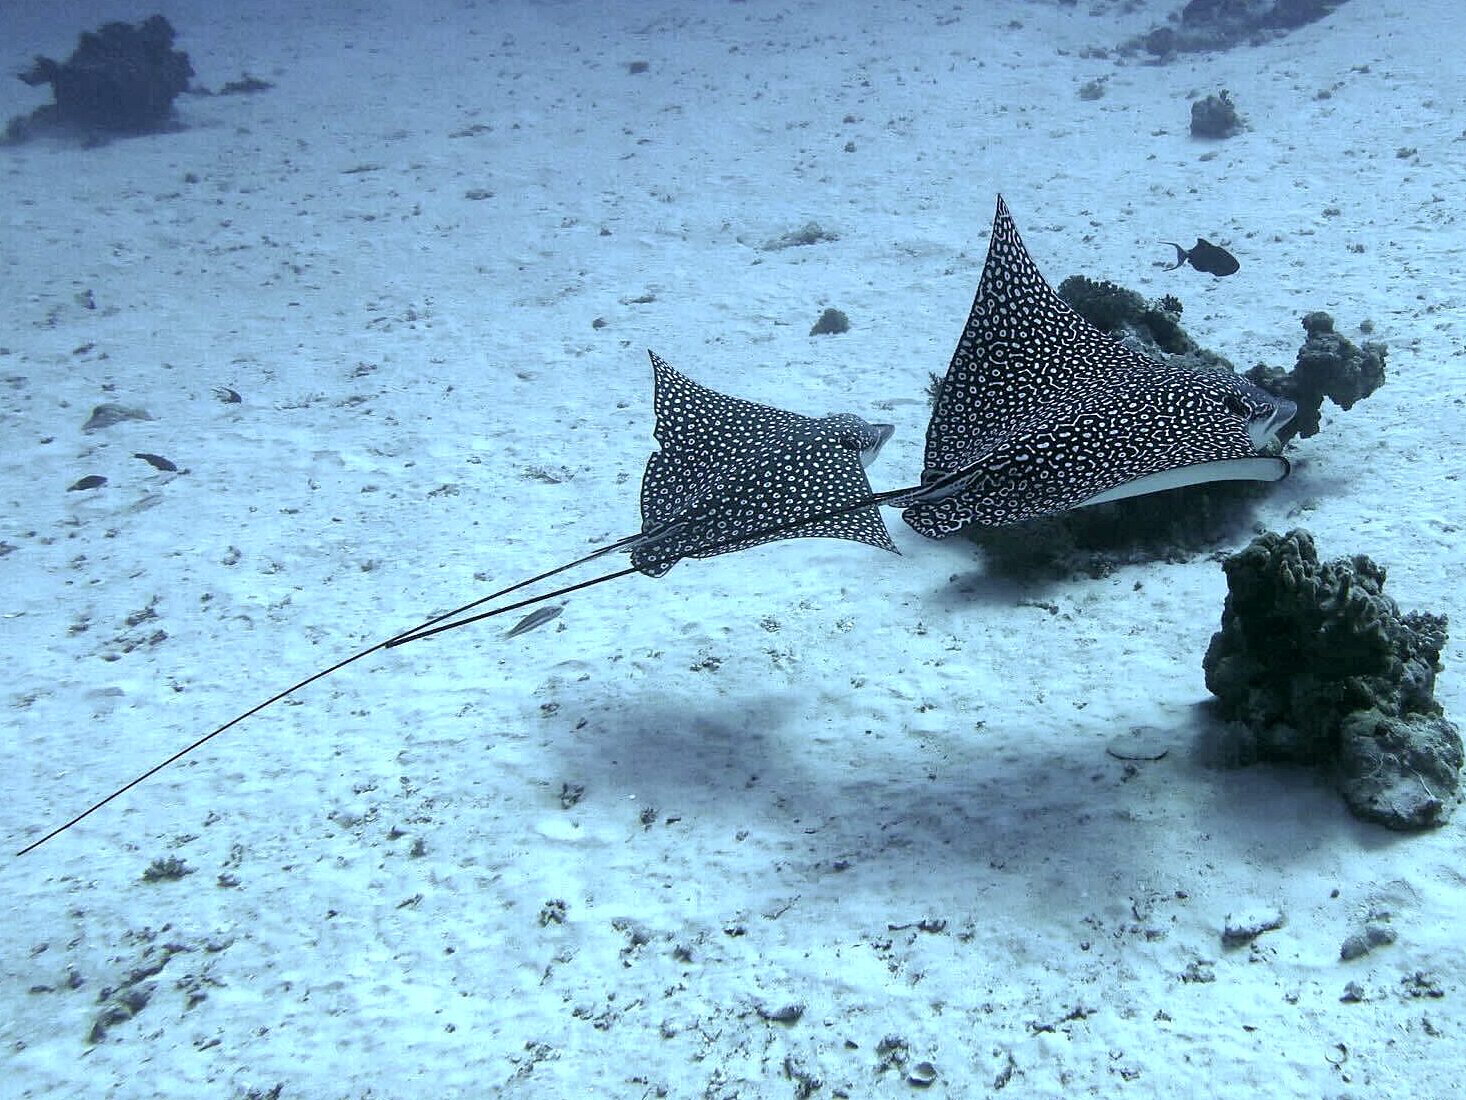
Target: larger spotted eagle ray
(1039, 412)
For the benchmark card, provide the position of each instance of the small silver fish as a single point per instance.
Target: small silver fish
(538, 617)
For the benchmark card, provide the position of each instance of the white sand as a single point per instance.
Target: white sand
(830, 744)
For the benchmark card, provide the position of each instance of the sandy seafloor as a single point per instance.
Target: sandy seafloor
(814, 775)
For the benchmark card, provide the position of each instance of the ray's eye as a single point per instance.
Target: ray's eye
(1236, 406)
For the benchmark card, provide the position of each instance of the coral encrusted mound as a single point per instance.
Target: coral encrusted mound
(1215, 116)
(1223, 24)
(1119, 312)
(1321, 667)
(1329, 365)
(121, 79)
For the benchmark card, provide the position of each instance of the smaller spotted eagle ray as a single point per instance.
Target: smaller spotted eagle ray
(730, 474)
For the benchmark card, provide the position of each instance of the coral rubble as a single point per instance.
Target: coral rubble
(1223, 24)
(1215, 116)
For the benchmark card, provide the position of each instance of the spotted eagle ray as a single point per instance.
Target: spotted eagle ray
(730, 474)
(1039, 413)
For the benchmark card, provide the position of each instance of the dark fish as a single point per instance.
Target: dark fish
(538, 617)
(91, 481)
(1204, 256)
(157, 462)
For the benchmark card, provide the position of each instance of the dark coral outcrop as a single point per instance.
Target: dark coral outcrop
(1118, 311)
(1321, 667)
(1215, 116)
(1329, 365)
(120, 79)
(1223, 24)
